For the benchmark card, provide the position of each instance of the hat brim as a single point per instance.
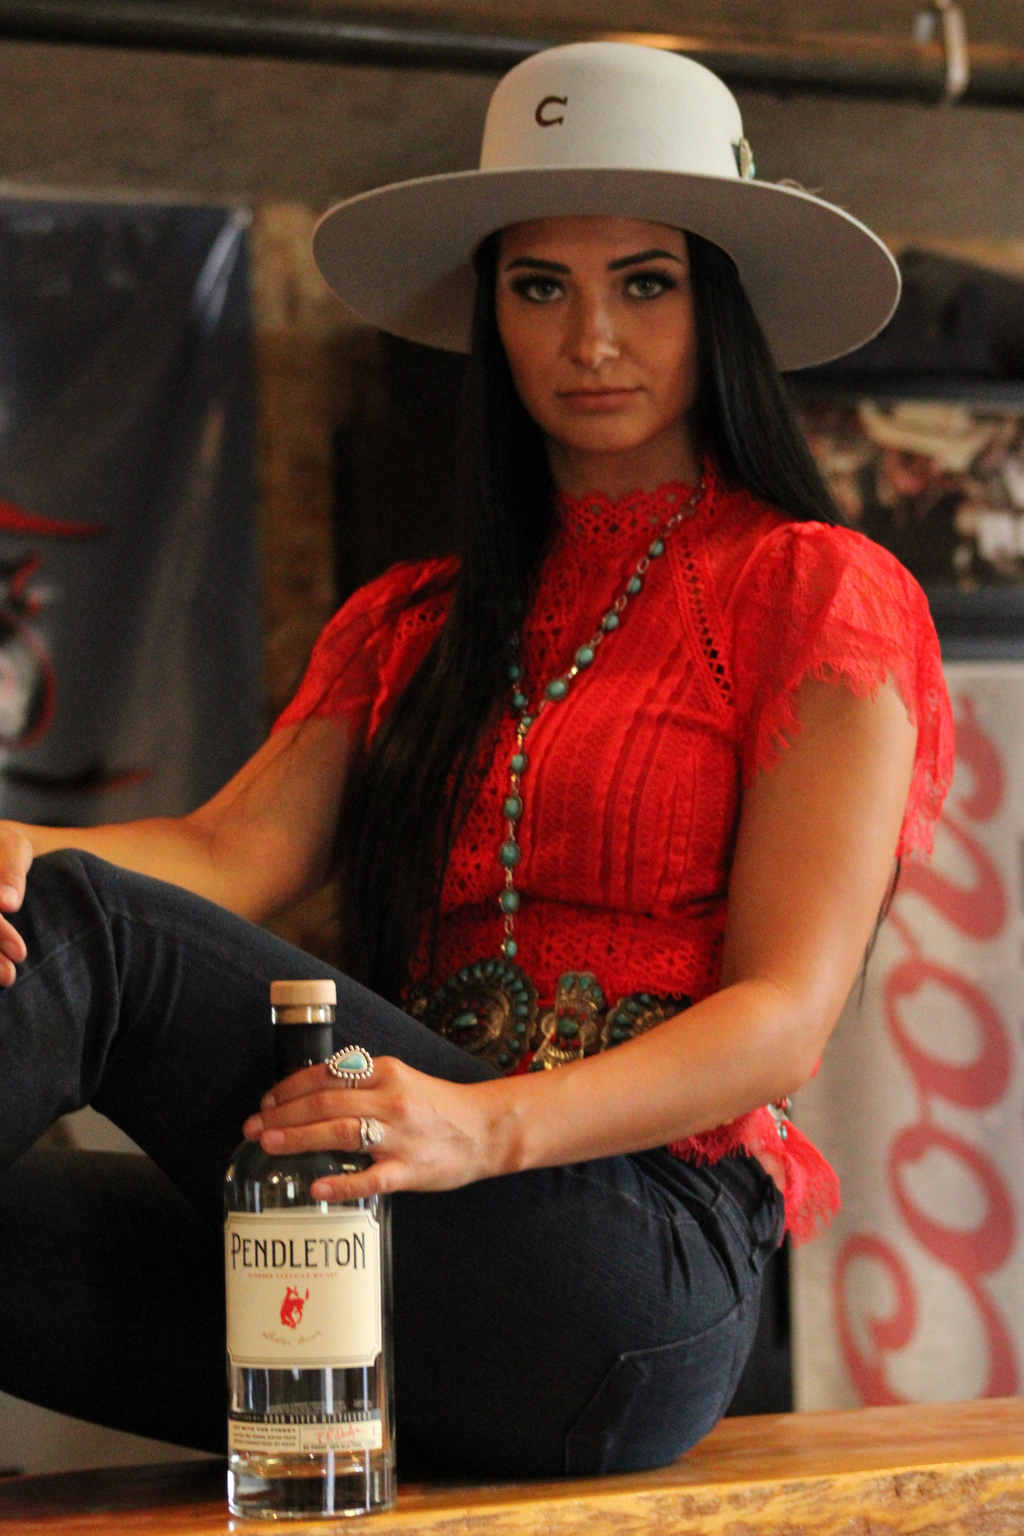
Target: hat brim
(401, 256)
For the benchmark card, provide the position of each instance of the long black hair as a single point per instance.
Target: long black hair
(416, 782)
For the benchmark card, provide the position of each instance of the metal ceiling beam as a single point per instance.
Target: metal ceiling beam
(257, 30)
(879, 66)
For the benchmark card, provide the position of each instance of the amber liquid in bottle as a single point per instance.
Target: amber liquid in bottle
(310, 1379)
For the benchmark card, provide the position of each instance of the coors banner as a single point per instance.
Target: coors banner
(129, 642)
(917, 1291)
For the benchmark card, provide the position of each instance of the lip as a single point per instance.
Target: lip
(599, 399)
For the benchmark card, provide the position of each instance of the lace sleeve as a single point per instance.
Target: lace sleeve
(828, 603)
(372, 647)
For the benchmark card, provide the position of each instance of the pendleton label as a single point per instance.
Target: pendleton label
(303, 1289)
(359, 1432)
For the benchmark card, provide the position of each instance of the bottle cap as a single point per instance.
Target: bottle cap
(302, 994)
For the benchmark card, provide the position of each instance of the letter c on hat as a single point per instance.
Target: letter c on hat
(549, 122)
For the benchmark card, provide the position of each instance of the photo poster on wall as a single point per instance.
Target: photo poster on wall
(129, 619)
(916, 1292)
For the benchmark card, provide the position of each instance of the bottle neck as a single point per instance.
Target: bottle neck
(302, 1037)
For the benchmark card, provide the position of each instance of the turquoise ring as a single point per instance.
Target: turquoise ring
(351, 1065)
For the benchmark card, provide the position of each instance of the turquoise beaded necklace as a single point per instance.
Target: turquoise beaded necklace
(510, 853)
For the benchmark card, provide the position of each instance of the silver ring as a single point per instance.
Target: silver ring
(351, 1065)
(371, 1133)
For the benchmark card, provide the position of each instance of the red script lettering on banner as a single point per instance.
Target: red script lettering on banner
(978, 911)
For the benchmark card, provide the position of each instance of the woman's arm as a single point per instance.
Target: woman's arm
(262, 842)
(813, 858)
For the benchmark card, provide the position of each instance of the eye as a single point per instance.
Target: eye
(537, 289)
(648, 285)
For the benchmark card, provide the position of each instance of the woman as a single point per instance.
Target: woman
(632, 774)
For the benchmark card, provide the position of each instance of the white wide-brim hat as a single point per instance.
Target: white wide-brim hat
(619, 129)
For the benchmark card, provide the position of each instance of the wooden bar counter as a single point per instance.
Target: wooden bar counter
(916, 1471)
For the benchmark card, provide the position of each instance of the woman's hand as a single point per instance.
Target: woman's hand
(16, 855)
(436, 1134)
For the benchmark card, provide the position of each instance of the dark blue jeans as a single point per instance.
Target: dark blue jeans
(582, 1319)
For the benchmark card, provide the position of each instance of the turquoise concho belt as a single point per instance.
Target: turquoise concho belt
(490, 1009)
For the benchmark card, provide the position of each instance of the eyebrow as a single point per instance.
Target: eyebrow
(535, 261)
(631, 261)
(613, 266)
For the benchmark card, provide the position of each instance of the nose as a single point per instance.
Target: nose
(591, 339)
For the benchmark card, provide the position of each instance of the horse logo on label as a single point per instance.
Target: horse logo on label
(291, 1307)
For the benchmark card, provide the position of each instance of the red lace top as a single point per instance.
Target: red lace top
(634, 785)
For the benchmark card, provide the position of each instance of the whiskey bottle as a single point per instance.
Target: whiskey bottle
(310, 1393)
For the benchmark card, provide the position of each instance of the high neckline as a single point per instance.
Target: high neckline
(607, 523)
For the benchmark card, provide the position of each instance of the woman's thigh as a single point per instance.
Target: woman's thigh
(153, 1005)
(581, 1319)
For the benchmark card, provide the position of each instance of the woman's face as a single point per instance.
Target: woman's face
(596, 316)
